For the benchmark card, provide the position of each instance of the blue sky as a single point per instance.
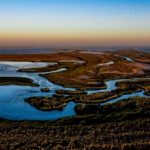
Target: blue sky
(58, 21)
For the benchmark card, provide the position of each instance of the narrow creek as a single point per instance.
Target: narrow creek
(13, 106)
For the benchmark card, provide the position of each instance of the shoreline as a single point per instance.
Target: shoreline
(83, 77)
(53, 50)
(122, 124)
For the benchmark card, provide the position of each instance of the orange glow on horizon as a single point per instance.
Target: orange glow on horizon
(74, 38)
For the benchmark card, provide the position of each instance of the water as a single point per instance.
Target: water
(126, 96)
(13, 106)
(53, 50)
(128, 59)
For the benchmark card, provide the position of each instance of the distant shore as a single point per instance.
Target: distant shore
(53, 50)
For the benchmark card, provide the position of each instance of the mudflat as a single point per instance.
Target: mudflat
(87, 70)
(111, 94)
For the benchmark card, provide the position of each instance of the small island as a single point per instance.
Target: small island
(16, 81)
(102, 98)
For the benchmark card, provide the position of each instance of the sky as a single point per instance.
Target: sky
(74, 23)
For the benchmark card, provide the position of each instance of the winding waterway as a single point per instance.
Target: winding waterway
(13, 106)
